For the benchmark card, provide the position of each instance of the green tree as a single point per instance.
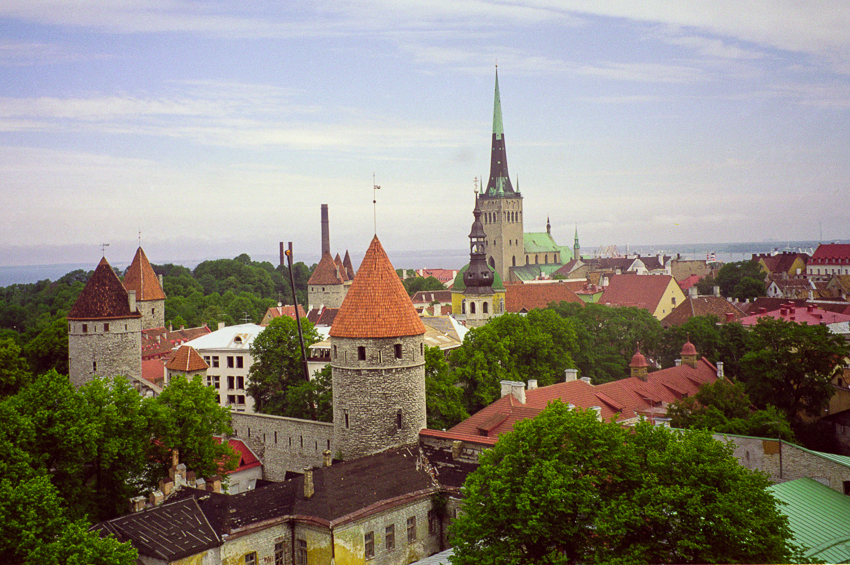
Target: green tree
(723, 406)
(415, 284)
(607, 338)
(185, 417)
(512, 347)
(566, 488)
(14, 370)
(49, 349)
(443, 398)
(741, 279)
(312, 399)
(278, 365)
(791, 366)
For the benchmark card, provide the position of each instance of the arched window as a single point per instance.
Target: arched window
(513, 260)
(484, 307)
(463, 306)
(536, 259)
(492, 262)
(526, 259)
(472, 307)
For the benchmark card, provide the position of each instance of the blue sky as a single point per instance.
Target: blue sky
(216, 128)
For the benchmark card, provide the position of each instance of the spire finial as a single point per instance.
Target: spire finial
(375, 188)
(103, 247)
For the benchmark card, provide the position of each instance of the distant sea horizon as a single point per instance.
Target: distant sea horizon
(446, 258)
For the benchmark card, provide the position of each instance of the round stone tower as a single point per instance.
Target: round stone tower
(378, 362)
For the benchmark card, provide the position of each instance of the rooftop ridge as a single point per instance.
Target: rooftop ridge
(103, 297)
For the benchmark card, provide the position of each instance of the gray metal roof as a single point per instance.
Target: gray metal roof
(819, 518)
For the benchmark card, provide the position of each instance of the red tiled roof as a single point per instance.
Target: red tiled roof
(526, 297)
(428, 296)
(160, 342)
(643, 291)
(828, 253)
(247, 459)
(802, 315)
(141, 277)
(340, 268)
(277, 311)
(688, 282)
(153, 370)
(624, 399)
(326, 272)
(376, 305)
(703, 306)
(103, 298)
(322, 316)
(187, 359)
(349, 268)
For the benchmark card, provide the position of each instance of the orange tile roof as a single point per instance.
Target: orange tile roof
(526, 297)
(103, 297)
(643, 291)
(623, 400)
(340, 268)
(326, 272)
(278, 311)
(349, 268)
(141, 277)
(376, 305)
(187, 359)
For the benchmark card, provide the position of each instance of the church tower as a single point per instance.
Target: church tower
(477, 294)
(576, 248)
(501, 206)
(150, 297)
(377, 362)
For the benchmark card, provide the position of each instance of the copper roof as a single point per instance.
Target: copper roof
(187, 359)
(103, 298)
(141, 278)
(376, 305)
(326, 272)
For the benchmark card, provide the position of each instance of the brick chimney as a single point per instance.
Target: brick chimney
(308, 482)
(570, 375)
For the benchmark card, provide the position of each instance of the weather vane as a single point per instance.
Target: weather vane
(103, 247)
(375, 187)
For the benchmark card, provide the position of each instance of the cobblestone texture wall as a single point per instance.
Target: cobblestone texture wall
(379, 393)
(284, 444)
(95, 350)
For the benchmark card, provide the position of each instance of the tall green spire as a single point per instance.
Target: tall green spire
(500, 182)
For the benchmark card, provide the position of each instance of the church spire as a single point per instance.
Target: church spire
(500, 182)
(478, 278)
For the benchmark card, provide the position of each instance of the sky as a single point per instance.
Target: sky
(209, 129)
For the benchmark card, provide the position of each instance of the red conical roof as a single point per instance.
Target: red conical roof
(104, 297)
(376, 305)
(142, 278)
(688, 348)
(326, 272)
(638, 360)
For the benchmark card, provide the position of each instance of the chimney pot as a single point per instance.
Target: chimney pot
(221, 325)
(308, 482)
(532, 384)
(720, 374)
(570, 375)
(586, 379)
(137, 504)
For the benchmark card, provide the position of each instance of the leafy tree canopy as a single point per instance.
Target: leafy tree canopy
(444, 399)
(741, 279)
(566, 488)
(791, 366)
(607, 338)
(415, 284)
(278, 367)
(515, 348)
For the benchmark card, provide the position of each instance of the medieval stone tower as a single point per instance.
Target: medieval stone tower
(104, 329)
(378, 362)
(150, 297)
(501, 206)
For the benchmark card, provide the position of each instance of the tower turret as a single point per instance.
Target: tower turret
(478, 278)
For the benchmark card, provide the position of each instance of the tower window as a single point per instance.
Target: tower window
(94, 366)
(398, 351)
(472, 307)
(85, 328)
(484, 307)
(334, 351)
(398, 420)
(106, 327)
(361, 353)
(345, 413)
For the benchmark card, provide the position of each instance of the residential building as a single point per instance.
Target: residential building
(792, 312)
(701, 305)
(827, 260)
(682, 269)
(658, 294)
(522, 298)
(784, 265)
(227, 353)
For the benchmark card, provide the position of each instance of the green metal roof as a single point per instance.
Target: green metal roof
(531, 272)
(498, 130)
(819, 518)
(542, 242)
(497, 285)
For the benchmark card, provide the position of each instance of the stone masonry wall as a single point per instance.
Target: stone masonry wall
(379, 401)
(107, 353)
(783, 461)
(153, 313)
(329, 295)
(283, 444)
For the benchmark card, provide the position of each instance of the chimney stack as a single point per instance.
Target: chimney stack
(532, 384)
(570, 375)
(692, 292)
(308, 482)
(326, 234)
(516, 388)
(720, 374)
(131, 299)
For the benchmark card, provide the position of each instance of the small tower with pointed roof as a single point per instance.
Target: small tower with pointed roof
(576, 248)
(378, 362)
(689, 353)
(501, 205)
(150, 298)
(104, 329)
(328, 284)
(477, 294)
(638, 366)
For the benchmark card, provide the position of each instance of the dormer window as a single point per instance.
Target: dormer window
(238, 340)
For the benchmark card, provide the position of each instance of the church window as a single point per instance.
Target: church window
(545, 258)
(361, 353)
(398, 351)
(484, 307)
(472, 307)
(536, 259)
(153, 311)
(526, 259)
(422, 349)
